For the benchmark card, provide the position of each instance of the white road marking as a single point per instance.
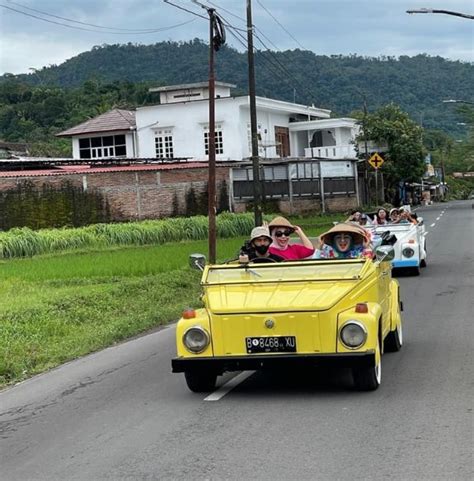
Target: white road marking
(437, 218)
(426, 233)
(433, 224)
(228, 386)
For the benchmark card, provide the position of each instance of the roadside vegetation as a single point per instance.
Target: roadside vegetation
(57, 307)
(25, 242)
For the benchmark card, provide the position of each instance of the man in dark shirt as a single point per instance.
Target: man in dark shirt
(256, 250)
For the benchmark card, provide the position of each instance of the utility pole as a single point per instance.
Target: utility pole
(257, 186)
(216, 40)
(366, 151)
(212, 142)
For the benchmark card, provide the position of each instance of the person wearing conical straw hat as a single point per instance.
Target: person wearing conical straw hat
(344, 241)
(281, 230)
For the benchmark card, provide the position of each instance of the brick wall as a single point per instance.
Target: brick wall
(132, 195)
(140, 194)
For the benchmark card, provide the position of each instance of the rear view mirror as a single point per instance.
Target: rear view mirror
(419, 220)
(197, 261)
(385, 253)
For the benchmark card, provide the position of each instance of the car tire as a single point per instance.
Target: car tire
(368, 378)
(415, 271)
(394, 340)
(199, 381)
(423, 261)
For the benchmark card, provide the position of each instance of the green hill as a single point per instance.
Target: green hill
(418, 84)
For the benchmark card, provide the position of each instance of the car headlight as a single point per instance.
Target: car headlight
(408, 252)
(353, 334)
(196, 339)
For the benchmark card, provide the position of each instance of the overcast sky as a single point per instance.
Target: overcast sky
(363, 27)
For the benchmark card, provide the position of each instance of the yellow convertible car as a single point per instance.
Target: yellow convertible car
(294, 314)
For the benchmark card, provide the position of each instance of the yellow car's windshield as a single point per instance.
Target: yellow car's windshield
(281, 272)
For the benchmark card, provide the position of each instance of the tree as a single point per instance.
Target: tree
(404, 158)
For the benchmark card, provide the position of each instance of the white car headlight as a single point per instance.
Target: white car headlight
(408, 252)
(353, 334)
(196, 339)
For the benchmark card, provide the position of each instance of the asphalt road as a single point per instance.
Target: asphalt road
(121, 415)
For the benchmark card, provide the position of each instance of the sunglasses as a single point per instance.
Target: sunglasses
(280, 233)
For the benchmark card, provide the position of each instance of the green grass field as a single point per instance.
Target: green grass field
(57, 307)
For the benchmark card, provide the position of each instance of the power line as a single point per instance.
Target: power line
(228, 11)
(144, 30)
(271, 15)
(242, 41)
(283, 67)
(185, 9)
(276, 66)
(259, 39)
(92, 30)
(243, 20)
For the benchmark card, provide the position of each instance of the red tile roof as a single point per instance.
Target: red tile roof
(116, 119)
(86, 169)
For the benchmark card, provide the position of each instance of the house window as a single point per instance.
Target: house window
(218, 139)
(107, 147)
(164, 144)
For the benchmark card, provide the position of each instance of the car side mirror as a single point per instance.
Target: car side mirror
(420, 220)
(197, 261)
(385, 253)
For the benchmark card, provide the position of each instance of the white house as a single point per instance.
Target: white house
(179, 126)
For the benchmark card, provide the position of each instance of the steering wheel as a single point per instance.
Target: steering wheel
(261, 260)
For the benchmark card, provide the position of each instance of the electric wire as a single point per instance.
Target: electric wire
(227, 11)
(271, 15)
(276, 64)
(135, 30)
(92, 30)
(242, 40)
(185, 9)
(284, 68)
(242, 20)
(275, 68)
(245, 21)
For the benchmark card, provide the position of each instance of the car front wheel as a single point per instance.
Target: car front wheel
(394, 340)
(368, 378)
(199, 381)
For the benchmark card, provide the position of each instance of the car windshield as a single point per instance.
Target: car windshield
(283, 272)
(394, 227)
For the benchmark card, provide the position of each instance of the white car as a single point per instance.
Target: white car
(410, 247)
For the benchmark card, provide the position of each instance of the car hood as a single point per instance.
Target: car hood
(401, 231)
(277, 296)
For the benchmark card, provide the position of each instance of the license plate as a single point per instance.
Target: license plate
(270, 344)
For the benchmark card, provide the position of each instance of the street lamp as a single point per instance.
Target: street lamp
(445, 12)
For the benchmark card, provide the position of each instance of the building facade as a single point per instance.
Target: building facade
(178, 128)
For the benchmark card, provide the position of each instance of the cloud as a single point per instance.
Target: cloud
(364, 27)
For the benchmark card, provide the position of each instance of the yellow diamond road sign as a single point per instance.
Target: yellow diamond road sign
(376, 161)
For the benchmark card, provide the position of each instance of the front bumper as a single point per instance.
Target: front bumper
(407, 263)
(275, 361)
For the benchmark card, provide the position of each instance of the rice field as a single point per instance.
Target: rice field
(25, 242)
(56, 307)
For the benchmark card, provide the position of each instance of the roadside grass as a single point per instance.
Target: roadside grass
(57, 307)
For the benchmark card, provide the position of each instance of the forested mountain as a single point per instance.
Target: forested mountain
(118, 75)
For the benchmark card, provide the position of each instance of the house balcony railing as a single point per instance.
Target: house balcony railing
(332, 152)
